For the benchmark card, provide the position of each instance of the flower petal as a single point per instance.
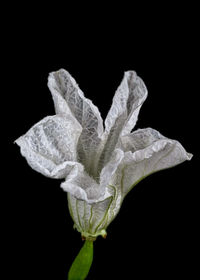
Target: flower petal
(139, 139)
(124, 111)
(50, 145)
(146, 151)
(127, 102)
(111, 167)
(82, 186)
(68, 98)
(99, 212)
(89, 218)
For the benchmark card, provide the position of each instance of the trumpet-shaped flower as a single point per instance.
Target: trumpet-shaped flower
(100, 163)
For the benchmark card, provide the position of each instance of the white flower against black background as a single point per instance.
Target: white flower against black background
(100, 163)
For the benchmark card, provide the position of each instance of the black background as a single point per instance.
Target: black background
(155, 232)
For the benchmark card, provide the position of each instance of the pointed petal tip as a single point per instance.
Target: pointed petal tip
(185, 154)
(19, 141)
(189, 156)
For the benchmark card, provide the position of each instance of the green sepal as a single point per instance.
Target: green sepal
(82, 263)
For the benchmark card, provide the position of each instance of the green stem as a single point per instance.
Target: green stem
(82, 263)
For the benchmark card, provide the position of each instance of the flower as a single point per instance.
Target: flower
(100, 165)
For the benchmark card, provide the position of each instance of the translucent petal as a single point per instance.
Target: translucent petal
(114, 207)
(78, 209)
(147, 151)
(68, 98)
(99, 211)
(50, 145)
(129, 97)
(84, 187)
(111, 167)
(89, 218)
(139, 139)
(124, 111)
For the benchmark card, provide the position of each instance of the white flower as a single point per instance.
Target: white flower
(100, 165)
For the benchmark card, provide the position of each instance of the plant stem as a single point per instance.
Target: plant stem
(82, 263)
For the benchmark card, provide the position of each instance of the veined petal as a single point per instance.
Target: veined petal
(146, 152)
(89, 218)
(106, 181)
(79, 184)
(68, 98)
(50, 145)
(99, 213)
(129, 97)
(124, 111)
(139, 139)
(111, 167)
